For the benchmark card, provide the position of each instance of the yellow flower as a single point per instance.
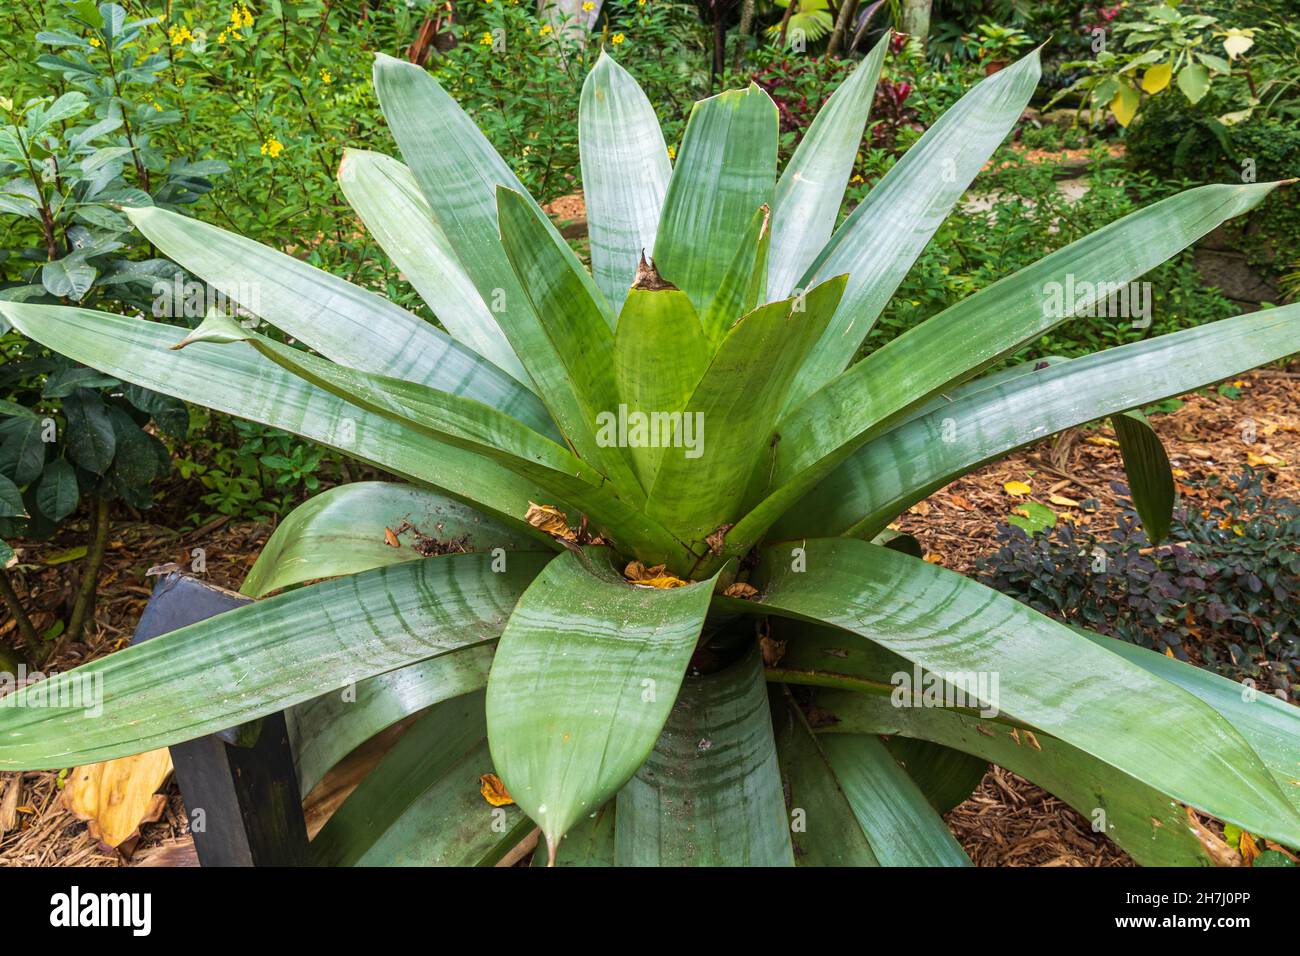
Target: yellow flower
(588, 6)
(179, 35)
(326, 76)
(616, 39)
(485, 39)
(672, 152)
(221, 38)
(94, 41)
(640, 3)
(240, 16)
(546, 28)
(272, 147)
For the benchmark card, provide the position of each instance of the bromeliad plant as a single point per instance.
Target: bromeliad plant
(664, 623)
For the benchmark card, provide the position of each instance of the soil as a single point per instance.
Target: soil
(1006, 822)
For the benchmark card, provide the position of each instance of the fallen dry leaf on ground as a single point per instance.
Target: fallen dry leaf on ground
(116, 796)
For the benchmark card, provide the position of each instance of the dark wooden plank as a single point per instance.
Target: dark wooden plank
(239, 785)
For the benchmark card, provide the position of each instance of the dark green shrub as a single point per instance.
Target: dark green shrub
(1225, 587)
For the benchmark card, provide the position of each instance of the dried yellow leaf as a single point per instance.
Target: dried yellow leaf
(1253, 459)
(116, 796)
(1063, 501)
(551, 520)
(494, 791)
(746, 592)
(656, 577)
(390, 538)
(1102, 440)
(1017, 488)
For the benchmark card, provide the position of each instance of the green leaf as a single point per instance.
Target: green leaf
(1151, 827)
(878, 243)
(65, 381)
(660, 355)
(466, 424)
(879, 391)
(1032, 517)
(325, 729)
(699, 488)
(811, 189)
(388, 200)
(946, 776)
(710, 793)
(901, 826)
(342, 531)
(625, 172)
(236, 380)
(742, 284)
(421, 805)
(1047, 675)
(589, 843)
(255, 660)
(91, 440)
(981, 424)
(1150, 480)
(22, 456)
(726, 169)
(823, 829)
(565, 339)
(459, 172)
(11, 501)
(1194, 81)
(1269, 725)
(57, 494)
(339, 320)
(584, 678)
(70, 277)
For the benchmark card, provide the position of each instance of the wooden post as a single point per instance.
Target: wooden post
(239, 785)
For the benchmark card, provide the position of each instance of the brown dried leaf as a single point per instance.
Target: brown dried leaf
(390, 538)
(551, 520)
(494, 791)
(746, 592)
(656, 577)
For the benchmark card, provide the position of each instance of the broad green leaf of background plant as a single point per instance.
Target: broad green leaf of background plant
(584, 678)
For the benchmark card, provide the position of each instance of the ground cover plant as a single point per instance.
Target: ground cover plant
(673, 635)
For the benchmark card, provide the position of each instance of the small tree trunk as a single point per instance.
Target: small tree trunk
(836, 44)
(746, 30)
(785, 22)
(23, 623)
(84, 605)
(719, 46)
(916, 19)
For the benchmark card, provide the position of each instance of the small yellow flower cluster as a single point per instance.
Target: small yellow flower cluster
(546, 28)
(272, 147)
(588, 6)
(240, 17)
(94, 41)
(485, 39)
(179, 35)
(326, 76)
(617, 38)
(672, 152)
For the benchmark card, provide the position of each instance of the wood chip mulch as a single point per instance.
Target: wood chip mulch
(1006, 822)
